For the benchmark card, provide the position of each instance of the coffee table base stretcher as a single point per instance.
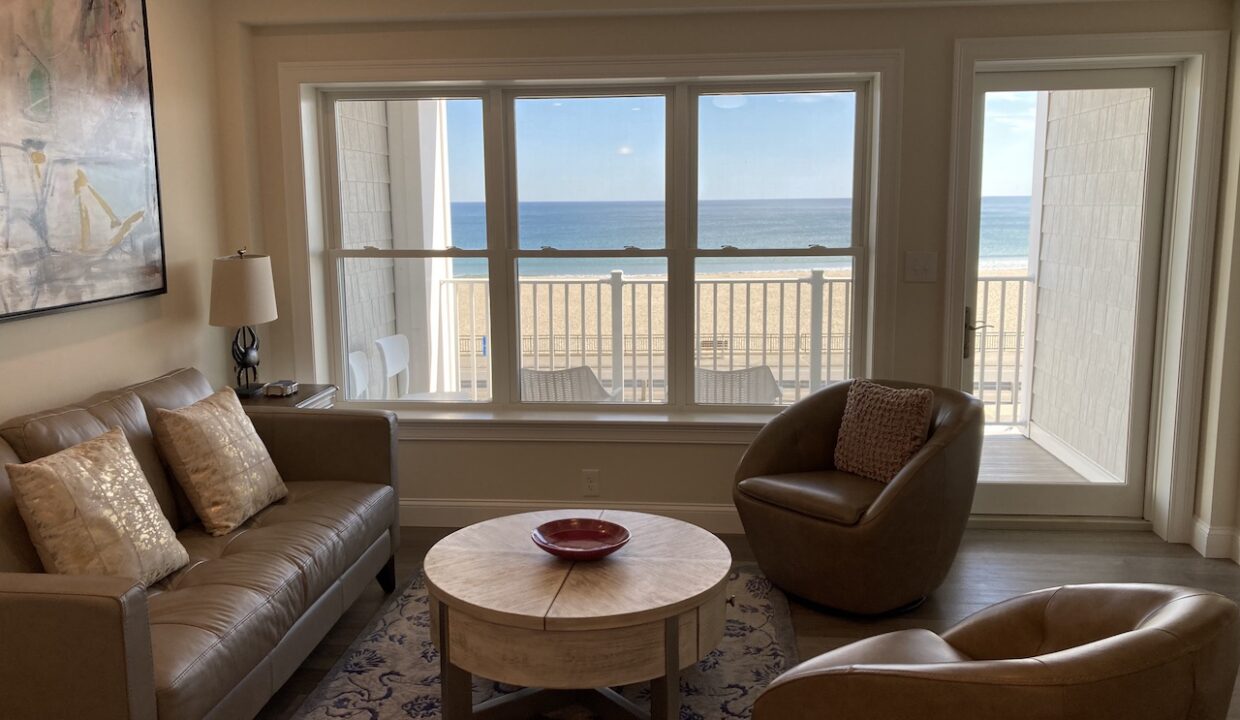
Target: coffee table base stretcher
(456, 688)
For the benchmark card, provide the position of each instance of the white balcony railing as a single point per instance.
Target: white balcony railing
(801, 328)
(1000, 358)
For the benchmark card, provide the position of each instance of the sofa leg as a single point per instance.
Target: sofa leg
(387, 576)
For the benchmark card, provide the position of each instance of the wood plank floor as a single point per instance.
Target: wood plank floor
(993, 565)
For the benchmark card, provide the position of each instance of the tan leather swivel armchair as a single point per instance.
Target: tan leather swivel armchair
(844, 541)
(1084, 652)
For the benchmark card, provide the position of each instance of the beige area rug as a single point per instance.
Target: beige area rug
(392, 670)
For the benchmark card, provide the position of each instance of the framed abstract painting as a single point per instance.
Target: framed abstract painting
(79, 190)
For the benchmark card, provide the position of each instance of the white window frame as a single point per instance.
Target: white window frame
(503, 249)
(302, 204)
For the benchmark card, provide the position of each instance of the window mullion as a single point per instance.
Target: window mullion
(863, 149)
(500, 265)
(682, 194)
(336, 328)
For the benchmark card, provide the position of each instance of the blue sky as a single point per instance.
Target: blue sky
(1007, 152)
(751, 147)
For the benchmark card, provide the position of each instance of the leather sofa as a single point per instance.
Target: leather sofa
(1085, 652)
(217, 638)
(848, 542)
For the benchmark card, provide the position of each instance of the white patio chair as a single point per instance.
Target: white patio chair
(394, 362)
(577, 384)
(359, 375)
(749, 386)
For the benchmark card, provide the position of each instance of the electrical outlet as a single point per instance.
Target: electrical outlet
(589, 482)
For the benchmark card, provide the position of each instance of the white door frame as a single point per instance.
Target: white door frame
(1199, 60)
(1099, 494)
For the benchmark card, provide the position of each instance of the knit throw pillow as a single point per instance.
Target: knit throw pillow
(882, 429)
(219, 460)
(90, 511)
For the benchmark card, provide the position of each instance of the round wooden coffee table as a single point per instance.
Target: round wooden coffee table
(503, 609)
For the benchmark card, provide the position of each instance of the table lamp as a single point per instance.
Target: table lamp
(243, 295)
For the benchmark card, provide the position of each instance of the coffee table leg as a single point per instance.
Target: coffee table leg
(665, 691)
(455, 685)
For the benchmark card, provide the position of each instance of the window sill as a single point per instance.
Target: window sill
(523, 425)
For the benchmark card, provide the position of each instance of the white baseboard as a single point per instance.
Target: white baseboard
(1215, 542)
(459, 512)
(1055, 522)
(715, 517)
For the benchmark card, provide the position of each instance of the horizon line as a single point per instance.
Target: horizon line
(700, 200)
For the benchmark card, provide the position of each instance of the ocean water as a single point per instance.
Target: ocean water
(785, 224)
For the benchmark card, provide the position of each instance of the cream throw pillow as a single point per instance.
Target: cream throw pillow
(90, 511)
(219, 460)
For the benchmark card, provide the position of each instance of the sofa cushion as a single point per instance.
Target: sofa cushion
(828, 494)
(172, 390)
(215, 620)
(40, 434)
(124, 409)
(17, 553)
(168, 392)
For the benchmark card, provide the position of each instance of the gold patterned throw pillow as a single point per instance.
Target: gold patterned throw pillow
(90, 511)
(882, 429)
(219, 460)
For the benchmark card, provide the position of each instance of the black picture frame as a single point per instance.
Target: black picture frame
(22, 314)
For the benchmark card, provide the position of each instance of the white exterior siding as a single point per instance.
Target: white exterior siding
(1093, 197)
(366, 219)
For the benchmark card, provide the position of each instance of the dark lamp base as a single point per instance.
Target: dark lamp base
(245, 357)
(248, 391)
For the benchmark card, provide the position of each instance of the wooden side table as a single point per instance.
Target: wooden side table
(308, 396)
(503, 609)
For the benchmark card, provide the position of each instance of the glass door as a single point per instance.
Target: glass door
(1065, 235)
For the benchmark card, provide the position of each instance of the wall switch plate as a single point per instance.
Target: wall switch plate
(589, 482)
(921, 267)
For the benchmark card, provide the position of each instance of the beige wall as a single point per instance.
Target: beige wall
(61, 358)
(253, 41)
(642, 472)
(1218, 499)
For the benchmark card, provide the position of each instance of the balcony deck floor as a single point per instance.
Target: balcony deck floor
(1014, 458)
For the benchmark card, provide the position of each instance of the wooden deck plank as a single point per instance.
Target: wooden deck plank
(1016, 458)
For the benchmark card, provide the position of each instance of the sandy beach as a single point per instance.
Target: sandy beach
(744, 319)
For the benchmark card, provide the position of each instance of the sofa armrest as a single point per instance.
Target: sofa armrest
(75, 646)
(350, 445)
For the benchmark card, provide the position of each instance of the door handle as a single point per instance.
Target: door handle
(970, 327)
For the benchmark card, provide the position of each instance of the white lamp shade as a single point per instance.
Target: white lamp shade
(242, 291)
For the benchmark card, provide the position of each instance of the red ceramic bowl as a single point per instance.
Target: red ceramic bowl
(580, 538)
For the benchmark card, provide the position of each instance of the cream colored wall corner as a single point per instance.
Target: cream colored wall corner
(60, 358)
(1218, 497)
(253, 40)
